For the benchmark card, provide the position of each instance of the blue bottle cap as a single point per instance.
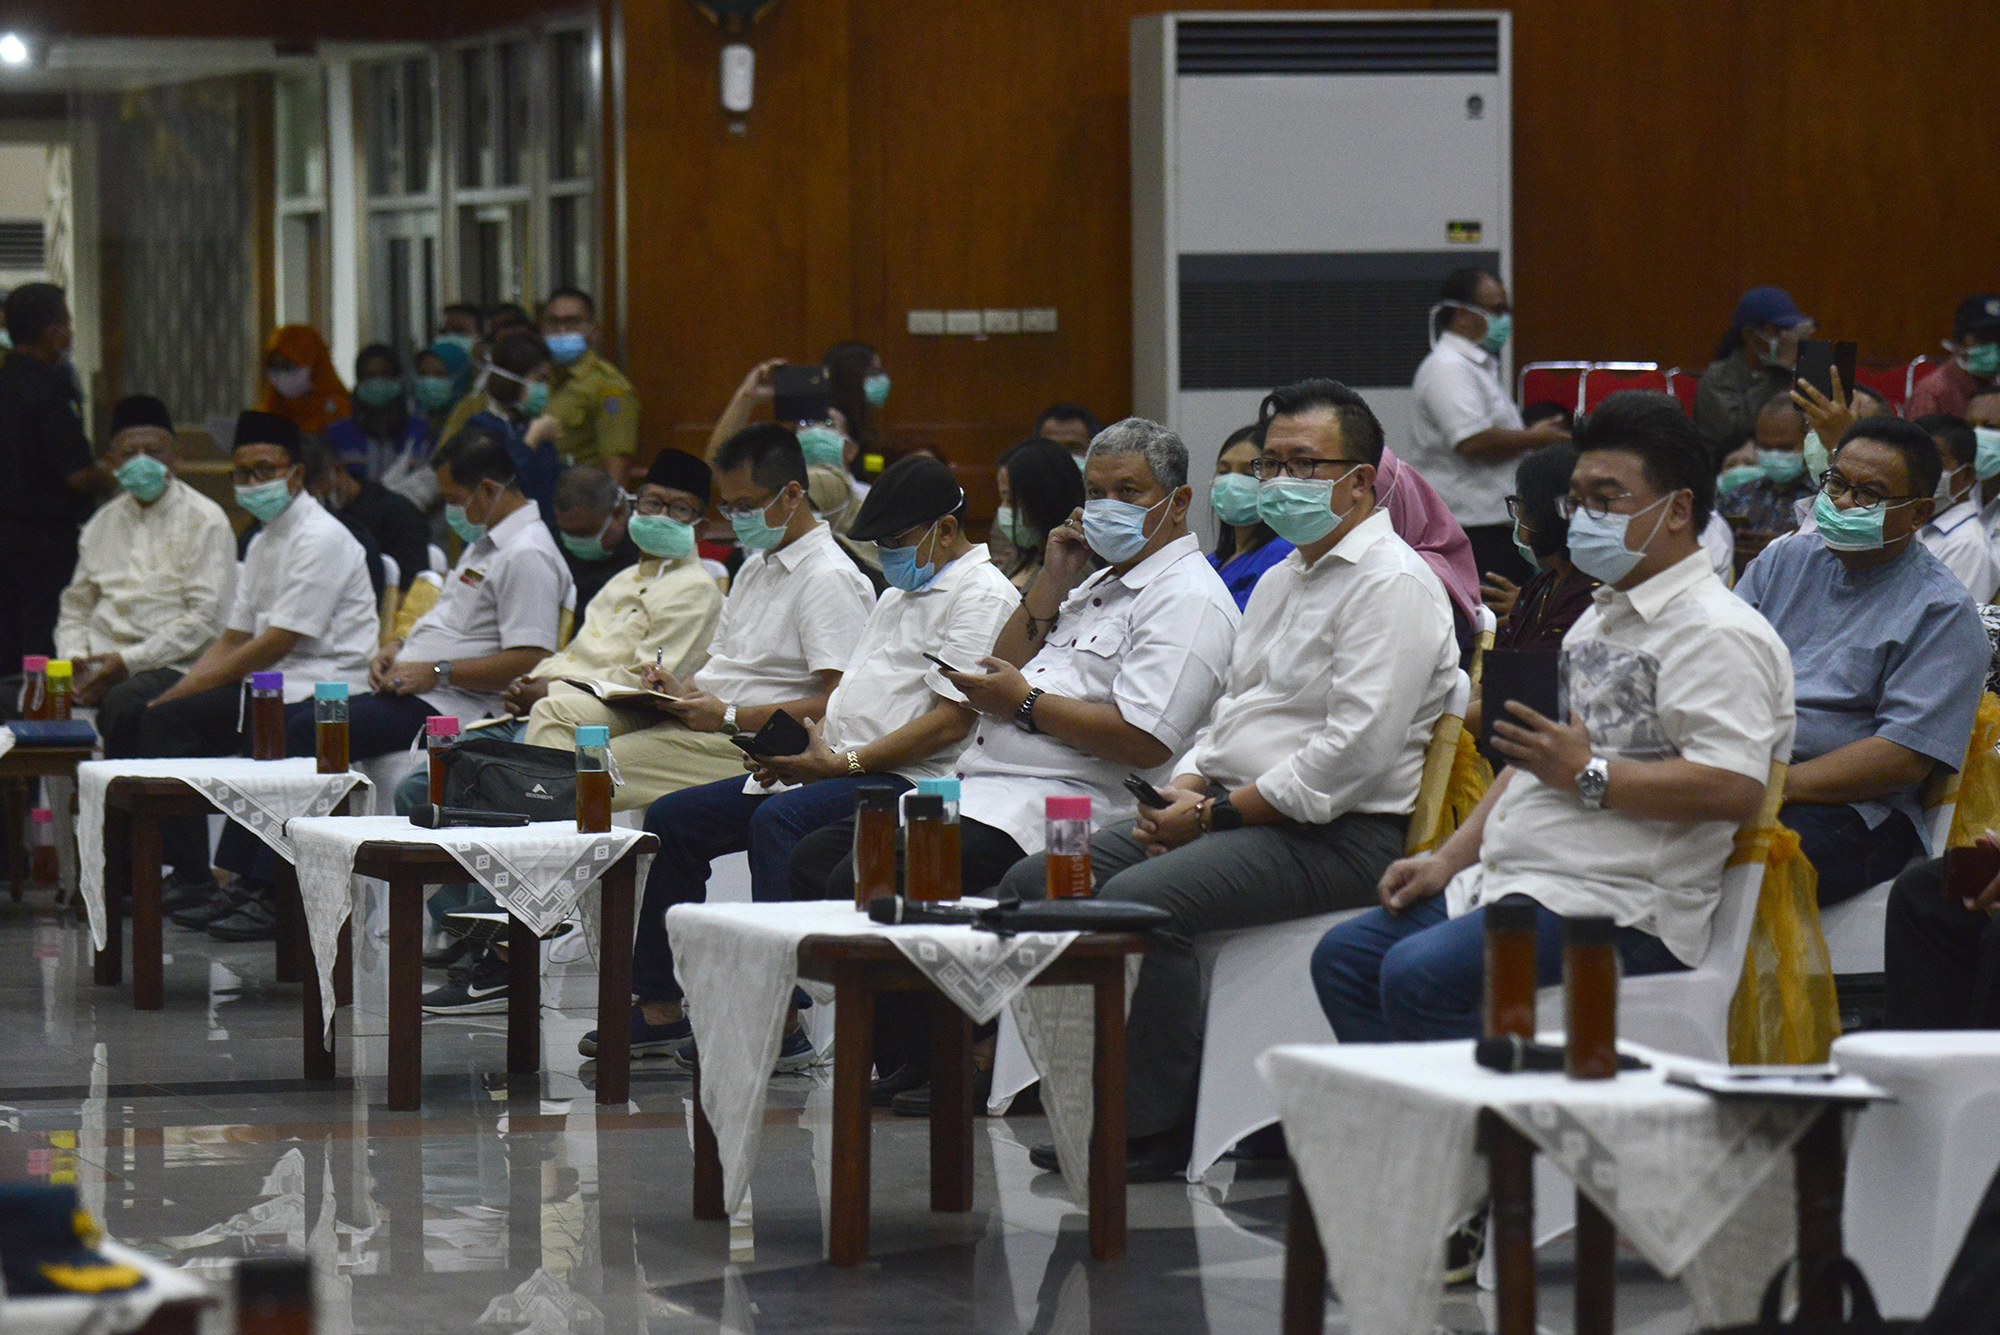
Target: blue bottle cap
(329, 690)
(945, 788)
(593, 734)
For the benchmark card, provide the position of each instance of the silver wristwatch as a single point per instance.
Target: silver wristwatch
(729, 728)
(443, 672)
(1592, 781)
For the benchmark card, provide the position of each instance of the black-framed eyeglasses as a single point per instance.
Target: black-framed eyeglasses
(1597, 506)
(250, 477)
(1835, 487)
(680, 510)
(1300, 468)
(1516, 507)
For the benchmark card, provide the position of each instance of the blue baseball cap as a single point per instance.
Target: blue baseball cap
(1768, 305)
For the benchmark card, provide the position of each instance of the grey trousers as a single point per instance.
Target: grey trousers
(1234, 878)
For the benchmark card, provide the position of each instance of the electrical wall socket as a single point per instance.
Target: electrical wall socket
(926, 322)
(961, 322)
(1000, 322)
(1038, 320)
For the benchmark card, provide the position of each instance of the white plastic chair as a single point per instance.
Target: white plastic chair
(438, 563)
(1916, 1168)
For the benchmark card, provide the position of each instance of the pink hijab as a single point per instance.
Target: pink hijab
(1421, 518)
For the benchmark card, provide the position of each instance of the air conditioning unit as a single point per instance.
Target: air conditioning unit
(1301, 184)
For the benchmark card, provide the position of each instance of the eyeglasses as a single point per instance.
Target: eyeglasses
(1300, 468)
(1835, 486)
(250, 477)
(680, 510)
(1597, 506)
(1515, 505)
(740, 511)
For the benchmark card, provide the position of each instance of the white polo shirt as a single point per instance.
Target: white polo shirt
(1155, 642)
(789, 614)
(506, 592)
(307, 574)
(1340, 672)
(1677, 667)
(1959, 539)
(1458, 394)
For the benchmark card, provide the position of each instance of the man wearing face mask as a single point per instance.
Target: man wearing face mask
(515, 403)
(1465, 432)
(303, 607)
(1955, 535)
(893, 720)
(595, 409)
(1974, 367)
(1768, 502)
(592, 515)
(1983, 416)
(787, 629)
(155, 575)
(1753, 364)
(1888, 651)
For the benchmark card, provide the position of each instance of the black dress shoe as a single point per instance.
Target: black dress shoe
(223, 905)
(178, 894)
(255, 921)
(917, 1102)
(1160, 1158)
(906, 1077)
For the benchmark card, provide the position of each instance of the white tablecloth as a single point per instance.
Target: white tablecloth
(537, 872)
(259, 795)
(1383, 1138)
(738, 964)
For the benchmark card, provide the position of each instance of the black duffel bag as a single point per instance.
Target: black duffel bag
(487, 774)
(1864, 1317)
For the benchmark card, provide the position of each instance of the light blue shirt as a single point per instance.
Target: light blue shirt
(1894, 651)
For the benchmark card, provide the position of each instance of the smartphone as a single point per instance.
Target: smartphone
(781, 735)
(800, 393)
(1818, 357)
(1148, 795)
(942, 665)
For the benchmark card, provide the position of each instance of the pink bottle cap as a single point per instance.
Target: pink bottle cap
(35, 663)
(42, 816)
(441, 725)
(1068, 808)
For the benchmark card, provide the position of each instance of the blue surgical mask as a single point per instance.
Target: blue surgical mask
(468, 532)
(1986, 459)
(1981, 361)
(143, 477)
(900, 568)
(1783, 467)
(755, 534)
(565, 348)
(265, 501)
(1527, 552)
(1234, 497)
(1499, 328)
(1818, 458)
(1597, 546)
(1858, 529)
(463, 342)
(1300, 510)
(591, 548)
(536, 401)
(1732, 478)
(1116, 530)
(1007, 524)
(378, 391)
(822, 445)
(875, 388)
(657, 535)
(434, 392)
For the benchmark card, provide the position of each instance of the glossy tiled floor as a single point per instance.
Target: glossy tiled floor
(189, 1134)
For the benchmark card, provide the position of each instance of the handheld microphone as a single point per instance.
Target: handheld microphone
(432, 817)
(1511, 1054)
(893, 909)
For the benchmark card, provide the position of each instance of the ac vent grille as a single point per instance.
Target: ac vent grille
(21, 245)
(1337, 46)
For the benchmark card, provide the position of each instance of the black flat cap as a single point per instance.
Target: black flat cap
(680, 472)
(916, 489)
(255, 428)
(1977, 314)
(140, 410)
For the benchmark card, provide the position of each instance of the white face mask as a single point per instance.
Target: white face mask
(292, 383)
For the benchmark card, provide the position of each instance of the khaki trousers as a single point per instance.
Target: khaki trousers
(655, 754)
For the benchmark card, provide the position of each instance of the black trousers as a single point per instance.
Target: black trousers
(207, 723)
(123, 709)
(1941, 962)
(1848, 856)
(36, 562)
(1493, 550)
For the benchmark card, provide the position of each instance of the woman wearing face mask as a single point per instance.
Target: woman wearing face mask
(300, 383)
(858, 387)
(1558, 593)
(1247, 546)
(382, 440)
(1753, 364)
(1039, 490)
(443, 377)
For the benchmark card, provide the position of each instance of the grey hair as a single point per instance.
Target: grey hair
(585, 488)
(1165, 455)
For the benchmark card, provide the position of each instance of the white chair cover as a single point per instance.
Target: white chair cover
(1854, 929)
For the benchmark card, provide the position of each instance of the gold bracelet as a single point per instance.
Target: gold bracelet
(854, 763)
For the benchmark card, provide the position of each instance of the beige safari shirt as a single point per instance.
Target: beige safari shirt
(598, 410)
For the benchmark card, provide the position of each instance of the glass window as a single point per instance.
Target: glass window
(514, 112)
(417, 128)
(569, 139)
(383, 108)
(571, 242)
(301, 137)
(475, 119)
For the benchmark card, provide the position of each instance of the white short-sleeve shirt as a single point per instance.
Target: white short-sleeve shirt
(789, 614)
(307, 574)
(1458, 394)
(1959, 539)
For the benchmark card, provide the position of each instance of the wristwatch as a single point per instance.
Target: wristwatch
(854, 763)
(1024, 717)
(442, 672)
(729, 728)
(1592, 781)
(1223, 815)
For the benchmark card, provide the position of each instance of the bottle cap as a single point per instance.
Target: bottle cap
(875, 797)
(871, 463)
(593, 734)
(1590, 931)
(59, 669)
(329, 690)
(1515, 913)
(946, 788)
(441, 725)
(35, 663)
(267, 681)
(1068, 808)
(925, 806)
(42, 816)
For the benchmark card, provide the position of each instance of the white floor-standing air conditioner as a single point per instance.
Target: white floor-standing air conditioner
(1301, 184)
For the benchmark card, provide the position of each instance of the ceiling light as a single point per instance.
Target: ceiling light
(13, 51)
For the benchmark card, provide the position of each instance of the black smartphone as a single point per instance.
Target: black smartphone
(1527, 675)
(942, 665)
(1818, 358)
(1148, 795)
(781, 735)
(800, 393)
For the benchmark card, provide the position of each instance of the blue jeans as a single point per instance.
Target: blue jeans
(1417, 975)
(1849, 856)
(697, 825)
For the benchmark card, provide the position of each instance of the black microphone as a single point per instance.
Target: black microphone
(894, 909)
(1510, 1054)
(433, 817)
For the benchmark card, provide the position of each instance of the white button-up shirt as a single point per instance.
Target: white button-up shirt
(789, 614)
(1341, 670)
(1458, 394)
(1677, 667)
(307, 574)
(506, 592)
(1958, 539)
(1155, 642)
(153, 583)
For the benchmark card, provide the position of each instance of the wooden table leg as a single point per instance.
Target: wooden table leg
(109, 970)
(1107, 1136)
(1820, 1169)
(406, 983)
(707, 1158)
(1596, 1258)
(524, 999)
(951, 1106)
(148, 991)
(1511, 1168)
(614, 984)
(1305, 1267)
(343, 966)
(853, 1114)
(292, 950)
(20, 835)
